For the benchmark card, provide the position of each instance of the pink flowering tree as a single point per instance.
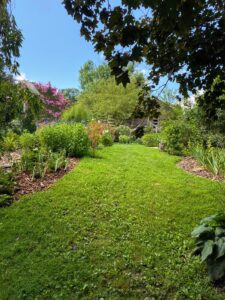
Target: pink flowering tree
(54, 101)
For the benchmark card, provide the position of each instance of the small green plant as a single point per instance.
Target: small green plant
(29, 141)
(57, 161)
(151, 139)
(10, 141)
(124, 139)
(7, 184)
(213, 159)
(107, 139)
(122, 130)
(210, 244)
(39, 162)
(28, 160)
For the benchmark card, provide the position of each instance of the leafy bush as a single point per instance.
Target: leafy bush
(77, 113)
(7, 184)
(212, 159)
(79, 141)
(179, 136)
(107, 139)
(138, 141)
(124, 139)
(95, 132)
(29, 141)
(10, 141)
(16, 126)
(210, 244)
(216, 140)
(151, 139)
(71, 138)
(122, 130)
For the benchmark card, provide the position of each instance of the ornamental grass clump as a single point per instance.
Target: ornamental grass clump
(213, 159)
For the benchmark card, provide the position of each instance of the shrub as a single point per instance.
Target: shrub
(107, 139)
(77, 113)
(10, 141)
(79, 141)
(216, 140)
(95, 132)
(210, 244)
(138, 141)
(124, 130)
(16, 126)
(29, 141)
(121, 130)
(124, 139)
(151, 139)
(179, 136)
(6, 187)
(71, 138)
(54, 137)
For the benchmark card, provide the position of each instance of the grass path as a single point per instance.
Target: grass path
(117, 227)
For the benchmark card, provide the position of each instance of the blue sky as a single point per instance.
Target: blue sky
(53, 49)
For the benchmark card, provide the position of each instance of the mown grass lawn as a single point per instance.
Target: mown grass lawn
(117, 227)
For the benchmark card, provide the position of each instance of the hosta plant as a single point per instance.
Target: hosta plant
(210, 244)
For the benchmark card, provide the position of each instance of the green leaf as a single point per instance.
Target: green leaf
(220, 231)
(220, 248)
(207, 250)
(208, 219)
(216, 269)
(202, 230)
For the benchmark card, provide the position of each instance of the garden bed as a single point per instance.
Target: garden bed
(190, 165)
(26, 185)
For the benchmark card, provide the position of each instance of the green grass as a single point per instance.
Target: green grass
(117, 227)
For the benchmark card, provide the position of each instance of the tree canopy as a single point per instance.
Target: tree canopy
(90, 73)
(70, 93)
(108, 101)
(184, 40)
(10, 39)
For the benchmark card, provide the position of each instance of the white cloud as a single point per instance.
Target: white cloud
(21, 77)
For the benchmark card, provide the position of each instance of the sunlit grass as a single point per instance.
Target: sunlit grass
(117, 227)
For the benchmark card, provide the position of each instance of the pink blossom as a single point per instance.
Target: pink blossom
(53, 100)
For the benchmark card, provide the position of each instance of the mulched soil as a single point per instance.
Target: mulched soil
(25, 184)
(190, 165)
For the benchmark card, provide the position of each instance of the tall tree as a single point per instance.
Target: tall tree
(90, 73)
(184, 40)
(70, 94)
(108, 101)
(10, 39)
